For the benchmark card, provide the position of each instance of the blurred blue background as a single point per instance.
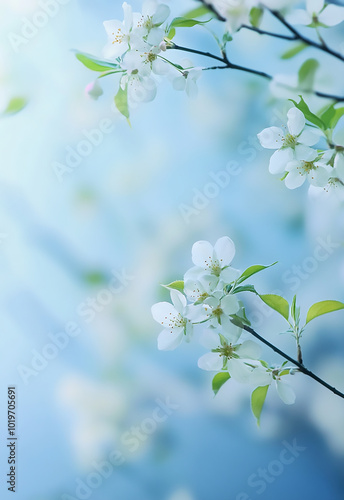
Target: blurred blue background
(120, 210)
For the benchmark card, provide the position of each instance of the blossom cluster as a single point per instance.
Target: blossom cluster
(297, 156)
(205, 305)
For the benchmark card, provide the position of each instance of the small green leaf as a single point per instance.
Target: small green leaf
(296, 49)
(277, 303)
(183, 22)
(176, 285)
(311, 117)
(198, 12)
(331, 116)
(15, 105)
(250, 271)
(324, 307)
(171, 34)
(245, 288)
(95, 64)
(256, 14)
(219, 380)
(121, 101)
(307, 74)
(258, 400)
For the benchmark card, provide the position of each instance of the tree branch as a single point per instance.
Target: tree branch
(300, 366)
(228, 65)
(269, 33)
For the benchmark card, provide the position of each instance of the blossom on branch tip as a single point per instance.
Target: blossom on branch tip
(317, 13)
(292, 144)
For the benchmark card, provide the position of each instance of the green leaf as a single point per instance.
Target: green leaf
(257, 401)
(296, 49)
(121, 101)
(277, 303)
(95, 64)
(307, 74)
(95, 278)
(183, 22)
(250, 271)
(245, 288)
(324, 307)
(311, 117)
(176, 285)
(256, 14)
(219, 380)
(15, 105)
(331, 116)
(198, 12)
(171, 34)
(295, 311)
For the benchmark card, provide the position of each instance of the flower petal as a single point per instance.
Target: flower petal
(229, 274)
(168, 340)
(230, 331)
(163, 312)
(308, 137)
(161, 14)
(224, 251)
(202, 254)
(331, 15)
(179, 300)
(249, 349)
(296, 121)
(305, 153)
(314, 6)
(318, 177)
(294, 179)
(271, 138)
(299, 16)
(279, 160)
(239, 371)
(230, 304)
(210, 339)
(210, 362)
(285, 392)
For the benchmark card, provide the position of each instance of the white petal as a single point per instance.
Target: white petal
(198, 313)
(210, 339)
(230, 331)
(318, 177)
(279, 160)
(160, 67)
(128, 16)
(294, 165)
(149, 7)
(230, 304)
(169, 340)
(161, 14)
(179, 300)
(113, 50)
(299, 16)
(163, 312)
(194, 274)
(191, 88)
(285, 392)
(296, 121)
(155, 36)
(314, 6)
(239, 371)
(202, 254)
(308, 137)
(224, 250)
(305, 153)
(271, 138)
(210, 362)
(230, 274)
(249, 349)
(261, 377)
(339, 165)
(294, 179)
(332, 15)
(179, 83)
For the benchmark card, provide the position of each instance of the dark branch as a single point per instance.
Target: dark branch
(226, 64)
(300, 366)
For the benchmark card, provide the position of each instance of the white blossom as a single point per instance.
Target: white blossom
(317, 13)
(292, 144)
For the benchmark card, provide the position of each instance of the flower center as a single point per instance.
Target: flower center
(307, 166)
(226, 351)
(119, 36)
(289, 141)
(217, 312)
